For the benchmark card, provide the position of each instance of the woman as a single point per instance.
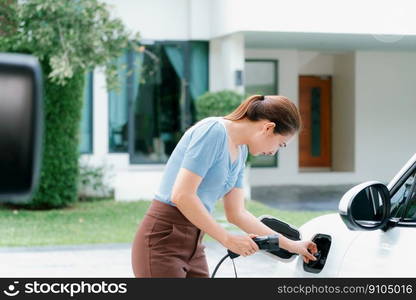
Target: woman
(206, 165)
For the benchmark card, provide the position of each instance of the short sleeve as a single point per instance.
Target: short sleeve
(240, 177)
(203, 148)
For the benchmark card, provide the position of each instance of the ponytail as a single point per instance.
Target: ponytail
(241, 111)
(275, 108)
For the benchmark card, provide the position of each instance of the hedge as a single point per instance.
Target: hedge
(59, 172)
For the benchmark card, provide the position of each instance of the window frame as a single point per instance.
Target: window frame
(186, 46)
(396, 187)
(276, 88)
(90, 96)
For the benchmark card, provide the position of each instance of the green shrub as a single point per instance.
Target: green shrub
(58, 181)
(92, 182)
(215, 104)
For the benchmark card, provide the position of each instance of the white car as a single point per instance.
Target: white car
(373, 235)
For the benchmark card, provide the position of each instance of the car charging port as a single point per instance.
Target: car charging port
(323, 242)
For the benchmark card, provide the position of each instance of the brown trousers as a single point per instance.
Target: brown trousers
(168, 245)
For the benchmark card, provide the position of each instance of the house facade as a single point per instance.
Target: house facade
(350, 67)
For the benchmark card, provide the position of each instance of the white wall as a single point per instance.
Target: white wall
(226, 55)
(165, 19)
(206, 19)
(343, 113)
(315, 63)
(100, 114)
(385, 112)
(326, 16)
(200, 20)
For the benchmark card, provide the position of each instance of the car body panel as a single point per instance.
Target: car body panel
(332, 225)
(381, 254)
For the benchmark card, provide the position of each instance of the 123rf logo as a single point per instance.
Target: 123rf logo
(11, 289)
(70, 289)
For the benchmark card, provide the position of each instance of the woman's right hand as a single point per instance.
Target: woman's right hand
(241, 244)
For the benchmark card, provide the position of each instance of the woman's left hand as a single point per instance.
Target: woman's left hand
(302, 247)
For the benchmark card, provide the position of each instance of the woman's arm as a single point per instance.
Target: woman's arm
(186, 200)
(237, 214)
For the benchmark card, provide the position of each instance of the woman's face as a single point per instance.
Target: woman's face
(265, 141)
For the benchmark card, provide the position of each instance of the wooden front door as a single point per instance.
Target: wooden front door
(315, 109)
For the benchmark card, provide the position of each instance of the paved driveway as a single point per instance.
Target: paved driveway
(299, 197)
(114, 261)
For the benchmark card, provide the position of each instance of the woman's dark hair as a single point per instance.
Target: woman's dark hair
(275, 108)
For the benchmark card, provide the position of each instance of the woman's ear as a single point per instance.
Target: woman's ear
(270, 127)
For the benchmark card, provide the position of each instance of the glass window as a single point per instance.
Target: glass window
(403, 196)
(154, 106)
(199, 66)
(160, 104)
(118, 109)
(410, 211)
(173, 75)
(261, 78)
(315, 117)
(86, 117)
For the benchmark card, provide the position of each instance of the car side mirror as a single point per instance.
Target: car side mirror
(21, 126)
(365, 206)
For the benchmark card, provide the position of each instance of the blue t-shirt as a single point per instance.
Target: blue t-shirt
(203, 150)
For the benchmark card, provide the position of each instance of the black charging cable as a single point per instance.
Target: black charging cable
(268, 243)
(231, 255)
(219, 264)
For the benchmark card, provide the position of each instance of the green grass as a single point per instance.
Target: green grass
(103, 221)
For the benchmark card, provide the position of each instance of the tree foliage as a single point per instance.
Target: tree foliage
(71, 36)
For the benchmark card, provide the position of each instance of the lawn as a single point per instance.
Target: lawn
(103, 221)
